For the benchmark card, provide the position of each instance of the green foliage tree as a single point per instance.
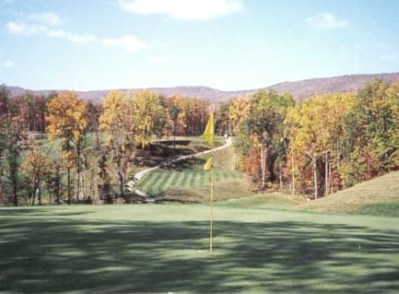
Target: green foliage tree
(371, 133)
(262, 131)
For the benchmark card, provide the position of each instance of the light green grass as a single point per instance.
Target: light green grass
(190, 182)
(379, 196)
(163, 248)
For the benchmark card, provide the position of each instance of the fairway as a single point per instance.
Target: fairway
(163, 248)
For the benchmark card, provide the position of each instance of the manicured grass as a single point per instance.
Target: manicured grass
(379, 196)
(381, 209)
(162, 248)
(187, 181)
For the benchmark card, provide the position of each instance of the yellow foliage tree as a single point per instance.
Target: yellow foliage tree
(67, 121)
(314, 128)
(118, 124)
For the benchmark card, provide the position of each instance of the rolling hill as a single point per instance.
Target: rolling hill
(299, 89)
(379, 196)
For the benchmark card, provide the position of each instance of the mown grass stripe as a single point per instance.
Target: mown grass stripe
(180, 179)
(171, 179)
(160, 180)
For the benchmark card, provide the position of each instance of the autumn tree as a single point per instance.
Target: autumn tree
(116, 121)
(37, 166)
(67, 121)
(262, 131)
(314, 129)
(177, 114)
(150, 117)
(371, 133)
(238, 112)
(4, 115)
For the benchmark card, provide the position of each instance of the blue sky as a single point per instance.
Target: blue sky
(225, 44)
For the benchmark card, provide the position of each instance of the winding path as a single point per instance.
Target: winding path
(131, 185)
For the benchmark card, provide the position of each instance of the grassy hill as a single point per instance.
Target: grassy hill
(379, 196)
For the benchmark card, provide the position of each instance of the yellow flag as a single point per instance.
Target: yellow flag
(209, 131)
(209, 163)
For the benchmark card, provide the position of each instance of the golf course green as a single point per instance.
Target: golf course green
(164, 248)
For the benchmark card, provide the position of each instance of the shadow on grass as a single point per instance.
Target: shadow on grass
(63, 255)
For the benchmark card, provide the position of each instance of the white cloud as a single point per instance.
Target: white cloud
(48, 18)
(7, 64)
(158, 59)
(128, 43)
(183, 9)
(24, 29)
(76, 38)
(325, 21)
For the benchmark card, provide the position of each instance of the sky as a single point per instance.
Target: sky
(223, 44)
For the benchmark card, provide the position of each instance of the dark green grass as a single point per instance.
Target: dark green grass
(162, 248)
(381, 209)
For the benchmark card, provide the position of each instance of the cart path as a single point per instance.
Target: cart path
(131, 185)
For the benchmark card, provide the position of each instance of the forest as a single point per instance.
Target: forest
(59, 149)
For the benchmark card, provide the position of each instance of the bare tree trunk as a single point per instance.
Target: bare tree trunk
(69, 185)
(330, 179)
(314, 173)
(292, 169)
(326, 176)
(315, 178)
(34, 192)
(263, 156)
(39, 193)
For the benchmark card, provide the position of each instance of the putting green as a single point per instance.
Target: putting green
(163, 248)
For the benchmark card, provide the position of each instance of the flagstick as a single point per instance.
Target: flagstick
(211, 221)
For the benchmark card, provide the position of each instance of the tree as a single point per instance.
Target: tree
(117, 122)
(4, 117)
(314, 128)
(371, 133)
(13, 136)
(177, 115)
(150, 118)
(66, 120)
(37, 166)
(262, 130)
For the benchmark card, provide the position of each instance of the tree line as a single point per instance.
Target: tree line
(319, 146)
(72, 150)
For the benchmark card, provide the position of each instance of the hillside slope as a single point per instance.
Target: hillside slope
(299, 89)
(369, 197)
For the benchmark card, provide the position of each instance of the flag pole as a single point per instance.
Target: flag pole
(209, 136)
(211, 219)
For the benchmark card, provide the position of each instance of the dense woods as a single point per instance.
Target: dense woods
(66, 150)
(321, 145)
(73, 151)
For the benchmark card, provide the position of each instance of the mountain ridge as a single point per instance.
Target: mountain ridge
(300, 90)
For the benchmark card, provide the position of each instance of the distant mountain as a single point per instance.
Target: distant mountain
(300, 90)
(348, 83)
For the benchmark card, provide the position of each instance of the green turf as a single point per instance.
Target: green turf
(188, 181)
(379, 196)
(381, 209)
(163, 248)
